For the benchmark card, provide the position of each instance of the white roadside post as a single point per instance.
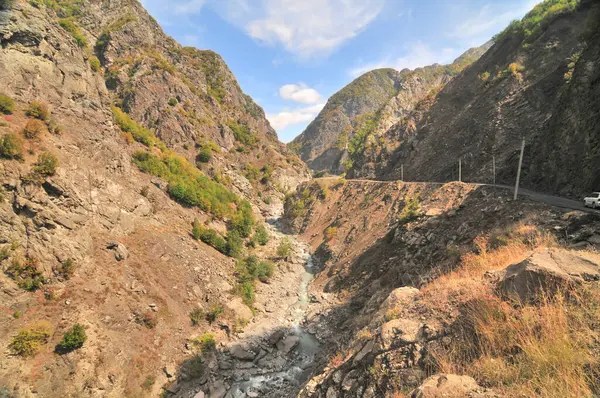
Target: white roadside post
(459, 169)
(519, 170)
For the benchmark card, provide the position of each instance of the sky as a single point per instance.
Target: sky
(292, 55)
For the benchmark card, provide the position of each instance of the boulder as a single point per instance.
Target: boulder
(401, 297)
(199, 394)
(448, 385)
(399, 332)
(239, 352)
(120, 250)
(548, 271)
(287, 344)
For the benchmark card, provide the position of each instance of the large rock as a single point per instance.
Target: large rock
(548, 271)
(447, 386)
(399, 332)
(239, 352)
(288, 343)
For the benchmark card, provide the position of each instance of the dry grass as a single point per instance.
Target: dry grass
(544, 350)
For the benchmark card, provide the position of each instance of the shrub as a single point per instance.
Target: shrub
(212, 238)
(251, 173)
(33, 129)
(26, 274)
(243, 221)
(67, 268)
(128, 125)
(38, 110)
(252, 269)
(46, 164)
(149, 382)
(206, 342)
(330, 233)
(246, 291)
(7, 105)
(6, 4)
(235, 244)
(73, 339)
(173, 101)
(31, 339)
(11, 146)
(243, 134)
(197, 229)
(411, 210)
(213, 313)
(95, 64)
(284, 250)
(53, 126)
(261, 235)
(148, 319)
(204, 156)
(193, 367)
(196, 316)
(70, 26)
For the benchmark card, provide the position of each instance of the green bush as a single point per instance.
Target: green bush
(33, 129)
(261, 235)
(204, 156)
(187, 184)
(246, 291)
(11, 146)
(196, 316)
(38, 110)
(7, 105)
(6, 4)
(128, 125)
(243, 220)
(411, 210)
(212, 238)
(95, 64)
(251, 173)
(70, 26)
(243, 134)
(46, 164)
(73, 339)
(26, 274)
(31, 339)
(235, 244)
(284, 250)
(196, 229)
(206, 343)
(67, 268)
(173, 101)
(213, 313)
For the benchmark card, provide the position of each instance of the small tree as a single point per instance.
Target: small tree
(7, 105)
(197, 229)
(204, 156)
(73, 339)
(261, 235)
(46, 164)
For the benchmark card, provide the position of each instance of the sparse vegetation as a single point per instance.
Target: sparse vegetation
(31, 339)
(46, 164)
(11, 146)
(73, 339)
(67, 268)
(213, 313)
(26, 273)
(573, 59)
(173, 102)
(148, 319)
(299, 205)
(95, 64)
(330, 233)
(411, 210)
(261, 235)
(243, 134)
(38, 110)
(205, 343)
(196, 316)
(33, 129)
(128, 125)
(70, 26)
(204, 156)
(284, 250)
(7, 105)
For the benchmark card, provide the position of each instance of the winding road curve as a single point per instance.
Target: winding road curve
(551, 200)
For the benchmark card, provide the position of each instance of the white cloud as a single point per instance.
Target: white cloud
(286, 118)
(416, 56)
(311, 27)
(188, 7)
(299, 93)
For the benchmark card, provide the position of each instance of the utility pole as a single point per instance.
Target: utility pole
(459, 169)
(494, 169)
(519, 170)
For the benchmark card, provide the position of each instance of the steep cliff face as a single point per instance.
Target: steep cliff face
(114, 140)
(356, 119)
(539, 84)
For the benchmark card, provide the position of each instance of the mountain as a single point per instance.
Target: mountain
(539, 81)
(134, 174)
(368, 107)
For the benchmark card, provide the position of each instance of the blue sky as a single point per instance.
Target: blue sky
(291, 55)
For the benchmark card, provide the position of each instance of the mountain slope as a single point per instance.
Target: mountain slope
(355, 118)
(114, 140)
(538, 82)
